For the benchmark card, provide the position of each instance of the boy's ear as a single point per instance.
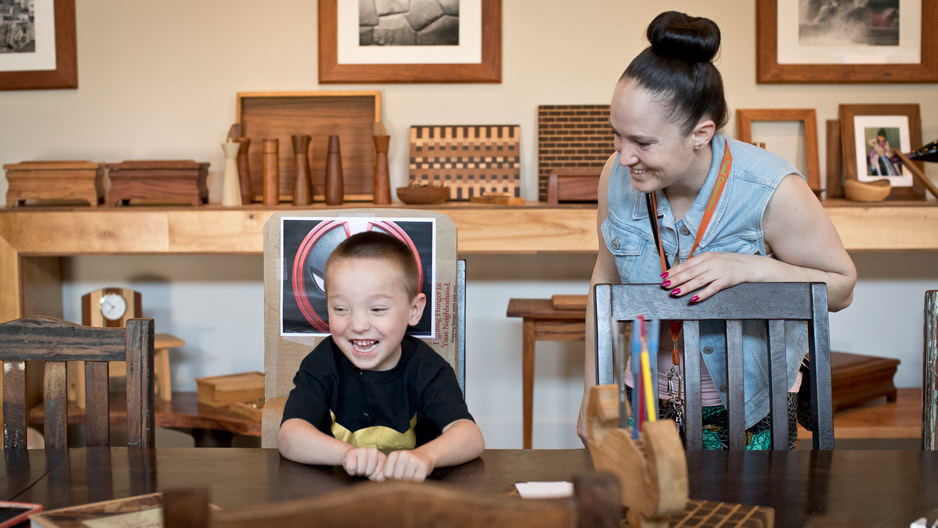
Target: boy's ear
(416, 309)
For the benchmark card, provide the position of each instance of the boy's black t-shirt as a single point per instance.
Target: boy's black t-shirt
(401, 408)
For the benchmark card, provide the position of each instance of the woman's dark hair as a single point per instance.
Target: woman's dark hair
(677, 68)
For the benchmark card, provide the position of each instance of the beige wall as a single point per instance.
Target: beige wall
(159, 79)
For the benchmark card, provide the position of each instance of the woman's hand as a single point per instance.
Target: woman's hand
(707, 273)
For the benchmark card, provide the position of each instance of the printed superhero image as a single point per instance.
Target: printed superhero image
(306, 244)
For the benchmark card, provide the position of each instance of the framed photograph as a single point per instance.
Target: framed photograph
(888, 41)
(868, 135)
(37, 45)
(438, 41)
(806, 116)
(305, 245)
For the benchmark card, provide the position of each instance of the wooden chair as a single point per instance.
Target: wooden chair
(282, 355)
(595, 504)
(930, 374)
(771, 302)
(55, 342)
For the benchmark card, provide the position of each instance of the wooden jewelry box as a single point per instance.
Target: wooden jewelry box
(158, 180)
(55, 180)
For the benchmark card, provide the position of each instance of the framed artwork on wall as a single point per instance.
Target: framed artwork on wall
(37, 45)
(894, 41)
(430, 42)
(869, 132)
(807, 116)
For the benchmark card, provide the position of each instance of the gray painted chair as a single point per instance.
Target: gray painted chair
(930, 374)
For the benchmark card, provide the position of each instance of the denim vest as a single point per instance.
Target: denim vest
(736, 227)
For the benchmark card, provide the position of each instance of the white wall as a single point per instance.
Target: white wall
(159, 80)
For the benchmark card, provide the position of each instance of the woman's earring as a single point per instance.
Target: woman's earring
(698, 147)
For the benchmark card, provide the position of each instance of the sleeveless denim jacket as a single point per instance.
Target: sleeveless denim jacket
(736, 227)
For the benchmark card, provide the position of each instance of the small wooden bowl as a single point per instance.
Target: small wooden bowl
(427, 195)
(874, 191)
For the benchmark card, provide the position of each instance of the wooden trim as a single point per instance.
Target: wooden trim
(65, 74)
(768, 70)
(807, 116)
(487, 71)
(835, 161)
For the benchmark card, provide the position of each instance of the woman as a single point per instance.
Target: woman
(667, 113)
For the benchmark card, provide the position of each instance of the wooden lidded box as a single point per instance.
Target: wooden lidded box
(55, 180)
(221, 391)
(158, 180)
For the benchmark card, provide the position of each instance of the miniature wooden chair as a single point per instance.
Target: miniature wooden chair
(930, 374)
(595, 504)
(771, 302)
(55, 342)
(283, 354)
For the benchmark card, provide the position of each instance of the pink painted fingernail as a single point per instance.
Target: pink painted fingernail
(665, 284)
(664, 275)
(695, 298)
(676, 291)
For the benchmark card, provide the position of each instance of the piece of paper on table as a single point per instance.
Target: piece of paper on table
(544, 490)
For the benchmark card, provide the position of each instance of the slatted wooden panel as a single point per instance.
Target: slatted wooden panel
(473, 160)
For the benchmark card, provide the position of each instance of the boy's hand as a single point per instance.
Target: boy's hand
(408, 465)
(365, 462)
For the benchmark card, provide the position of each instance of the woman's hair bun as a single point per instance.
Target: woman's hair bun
(680, 36)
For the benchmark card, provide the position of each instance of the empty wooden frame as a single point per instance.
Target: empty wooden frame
(808, 116)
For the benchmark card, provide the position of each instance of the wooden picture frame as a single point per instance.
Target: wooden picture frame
(489, 70)
(769, 70)
(65, 74)
(807, 116)
(849, 141)
(835, 161)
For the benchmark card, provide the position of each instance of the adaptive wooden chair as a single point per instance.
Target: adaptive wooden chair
(773, 303)
(595, 504)
(283, 353)
(55, 342)
(930, 374)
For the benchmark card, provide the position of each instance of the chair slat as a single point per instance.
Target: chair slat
(141, 428)
(693, 415)
(778, 384)
(819, 345)
(14, 405)
(736, 410)
(97, 424)
(56, 403)
(930, 374)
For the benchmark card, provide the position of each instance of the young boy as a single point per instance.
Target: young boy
(380, 403)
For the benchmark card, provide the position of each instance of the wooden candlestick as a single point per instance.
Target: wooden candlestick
(382, 185)
(244, 170)
(335, 187)
(230, 192)
(302, 186)
(271, 178)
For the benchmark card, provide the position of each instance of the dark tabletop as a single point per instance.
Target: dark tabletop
(856, 488)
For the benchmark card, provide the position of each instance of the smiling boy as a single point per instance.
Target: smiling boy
(371, 398)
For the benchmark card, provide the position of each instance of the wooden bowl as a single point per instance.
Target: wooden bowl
(423, 195)
(874, 191)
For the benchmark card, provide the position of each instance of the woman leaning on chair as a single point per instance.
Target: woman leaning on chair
(763, 225)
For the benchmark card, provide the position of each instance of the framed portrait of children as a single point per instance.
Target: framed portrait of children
(306, 243)
(869, 133)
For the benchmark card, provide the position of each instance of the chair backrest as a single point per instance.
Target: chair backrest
(774, 303)
(55, 342)
(930, 374)
(283, 354)
(595, 504)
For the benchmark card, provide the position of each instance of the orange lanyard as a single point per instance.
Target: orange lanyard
(712, 202)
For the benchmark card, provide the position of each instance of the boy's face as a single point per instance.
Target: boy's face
(369, 311)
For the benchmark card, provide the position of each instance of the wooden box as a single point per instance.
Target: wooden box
(55, 180)
(222, 391)
(158, 180)
(573, 186)
(278, 115)
(856, 379)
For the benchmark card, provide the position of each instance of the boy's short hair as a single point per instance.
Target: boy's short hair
(378, 245)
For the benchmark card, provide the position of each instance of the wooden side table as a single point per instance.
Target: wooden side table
(561, 318)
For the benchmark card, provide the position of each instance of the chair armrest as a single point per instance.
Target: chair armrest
(270, 421)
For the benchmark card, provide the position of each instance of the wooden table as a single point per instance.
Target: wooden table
(542, 321)
(209, 426)
(852, 488)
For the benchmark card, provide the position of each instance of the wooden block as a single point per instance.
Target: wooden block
(569, 302)
(253, 410)
(221, 391)
(55, 180)
(171, 180)
(573, 186)
(497, 199)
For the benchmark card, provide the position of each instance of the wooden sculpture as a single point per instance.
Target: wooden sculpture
(335, 187)
(652, 469)
(271, 179)
(302, 185)
(244, 170)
